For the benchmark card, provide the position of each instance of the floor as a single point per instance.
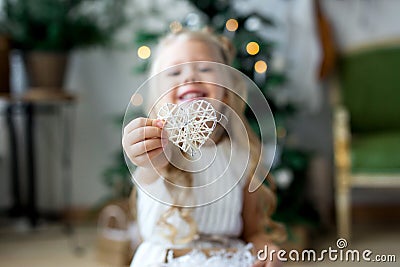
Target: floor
(48, 246)
(52, 246)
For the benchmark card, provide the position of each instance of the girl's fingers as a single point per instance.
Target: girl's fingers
(145, 159)
(142, 140)
(137, 123)
(142, 122)
(145, 147)
(141, 134)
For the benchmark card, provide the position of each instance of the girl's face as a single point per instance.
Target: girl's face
(189, 81)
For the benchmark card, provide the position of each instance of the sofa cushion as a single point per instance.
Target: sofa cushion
(376, 153)
(370, 82)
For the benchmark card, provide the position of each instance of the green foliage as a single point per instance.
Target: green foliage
(292, 204)
(117, 177)
(144, 38)
(61, 25)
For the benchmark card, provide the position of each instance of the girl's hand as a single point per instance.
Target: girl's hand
(142, 142)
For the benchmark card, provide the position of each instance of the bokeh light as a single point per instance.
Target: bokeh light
(252, 48)
(260, 66)
(137, 99)
(144, 52)
(232, 25)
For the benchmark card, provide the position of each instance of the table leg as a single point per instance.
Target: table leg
(16, 209)
(30, 138)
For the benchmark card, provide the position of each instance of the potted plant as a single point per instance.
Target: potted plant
(47, 30)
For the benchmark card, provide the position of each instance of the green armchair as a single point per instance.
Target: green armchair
(366, 126)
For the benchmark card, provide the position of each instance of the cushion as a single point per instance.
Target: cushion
(370, 83)
(376, 153)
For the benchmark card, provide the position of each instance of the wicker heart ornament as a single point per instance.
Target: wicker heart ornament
(190, 124)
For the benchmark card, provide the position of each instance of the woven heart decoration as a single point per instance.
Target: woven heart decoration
(190, 124)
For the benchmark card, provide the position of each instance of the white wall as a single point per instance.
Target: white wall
(360, 22)
(104, 82)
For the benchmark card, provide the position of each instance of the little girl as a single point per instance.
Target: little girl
(180, 203)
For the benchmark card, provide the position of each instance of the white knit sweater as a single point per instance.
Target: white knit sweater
(218, 191)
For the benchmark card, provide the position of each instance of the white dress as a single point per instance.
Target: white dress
(222, 180)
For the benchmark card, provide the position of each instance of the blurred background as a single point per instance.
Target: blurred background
(68, 69)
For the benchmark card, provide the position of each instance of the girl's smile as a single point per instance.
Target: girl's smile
(191, 91)
(184, 82)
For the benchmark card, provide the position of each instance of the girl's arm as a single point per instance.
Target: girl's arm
(253, 231)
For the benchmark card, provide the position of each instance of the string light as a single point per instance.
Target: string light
(232, 25)
(144, 52)
(252, 48)
(260, 66)
(175, 26)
